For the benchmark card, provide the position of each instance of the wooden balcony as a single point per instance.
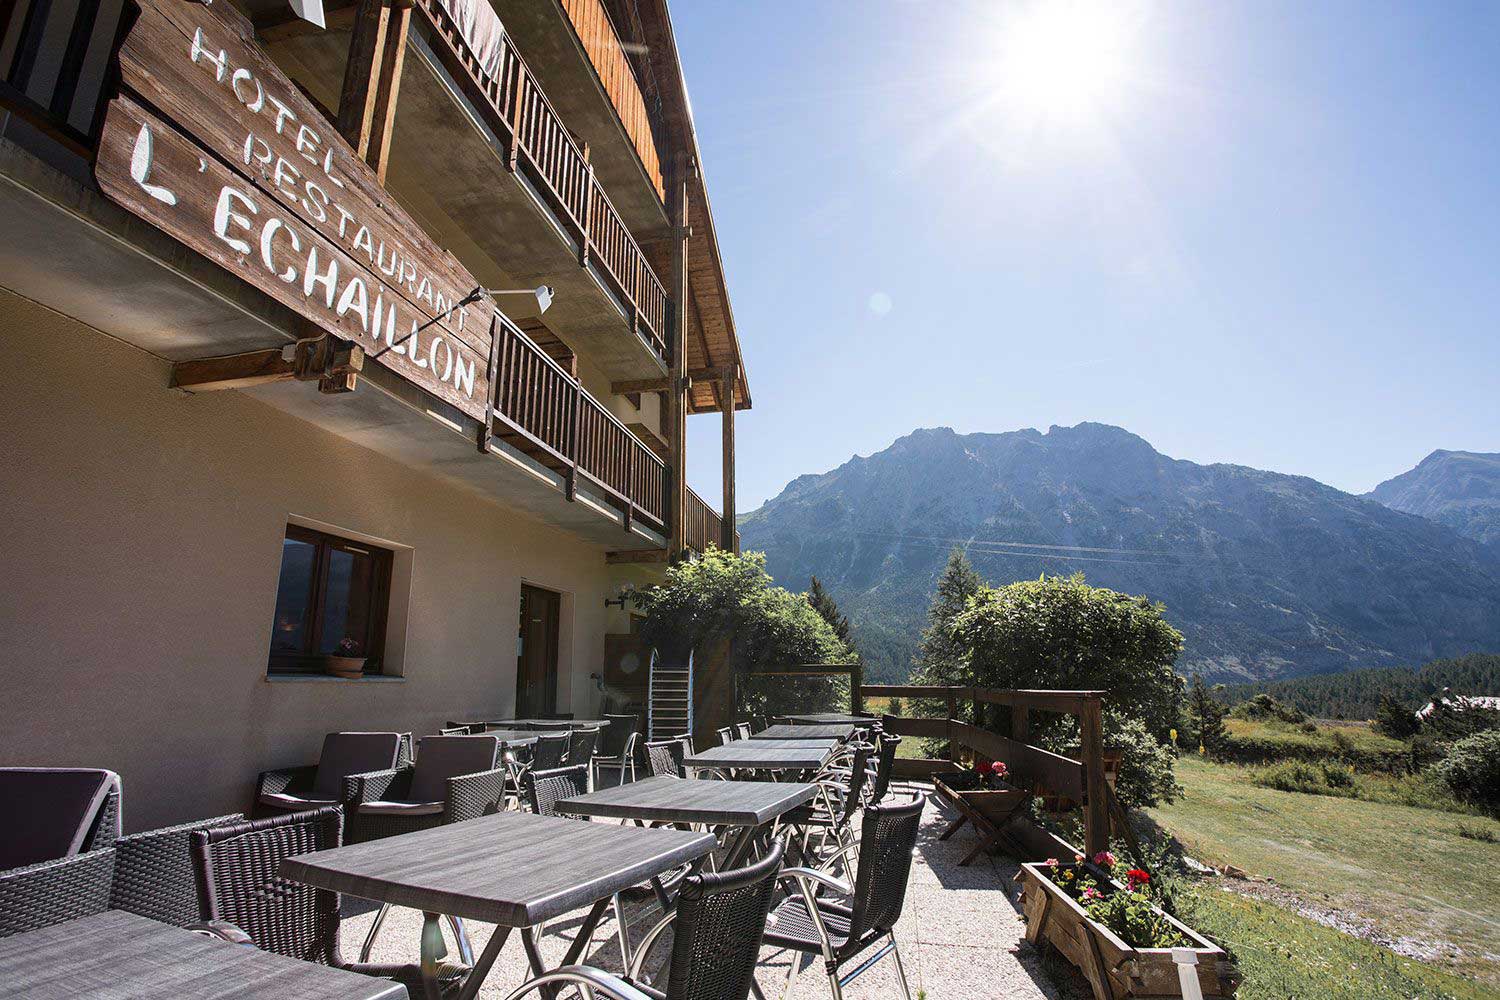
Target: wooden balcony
(542, 410)
(704, 525)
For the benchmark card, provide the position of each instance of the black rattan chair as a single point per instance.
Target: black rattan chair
(51, 892)
(617, 747)
(582, 743)
(154, 875)
(726, 735)
(236, 869)
(759, 723)
(884, 766)
(296, 789)
(550, 751)
(831, 814)
(56, 812)
(665, 757)
(454, 779)
(839, 933)
(742, 731)
(717, 930)
(544, 789)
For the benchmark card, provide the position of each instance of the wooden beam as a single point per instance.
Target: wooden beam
(729, 542)
(636, 556)
(1096, 791)
(327, 361)
(372, 80)
(677, 388)
(649, 438)
(630, 386)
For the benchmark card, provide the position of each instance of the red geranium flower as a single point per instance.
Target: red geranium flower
(1136, 877)
(999, 768)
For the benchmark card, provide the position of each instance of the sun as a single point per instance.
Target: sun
(1063, 59)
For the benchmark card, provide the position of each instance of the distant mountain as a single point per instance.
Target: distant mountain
(1267, 575)
(1458, 488)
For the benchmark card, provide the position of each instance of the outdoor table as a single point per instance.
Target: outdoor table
(745, 805)
(116, 955)
(515, 870)
(753, 755)
(807, 731)
(828, 744)
(550, 723)
(833, 717)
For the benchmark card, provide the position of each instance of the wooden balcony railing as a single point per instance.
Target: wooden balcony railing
(703, 524)
(53, 58)
(544, 410)
(595, 29)
(539, 143)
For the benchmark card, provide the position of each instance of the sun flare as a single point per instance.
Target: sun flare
(1063, 59)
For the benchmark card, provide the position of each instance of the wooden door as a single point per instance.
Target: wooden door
(536, 652)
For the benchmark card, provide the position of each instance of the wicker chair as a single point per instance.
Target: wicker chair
(582, 743)
(236, 868)
(56, 812)
(665, 757)
(719, 922)
(296, 789)
(544, 789)
(617, 746)
(726, 735)
(550, 751)
(153, 874)
(885, 764)
(742, 731)
(454, 779)
(759, 723)
(51, 892)
(839, 933)
(831, 814)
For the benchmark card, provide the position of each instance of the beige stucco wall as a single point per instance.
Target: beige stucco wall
(140, 556)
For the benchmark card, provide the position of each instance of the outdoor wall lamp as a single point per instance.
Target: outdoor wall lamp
(543, 294)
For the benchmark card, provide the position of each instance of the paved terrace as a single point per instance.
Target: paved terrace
(960, 937)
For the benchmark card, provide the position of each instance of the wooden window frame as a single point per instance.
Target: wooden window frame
(282, 663)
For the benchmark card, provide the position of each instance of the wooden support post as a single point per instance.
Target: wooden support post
(1020, 723)
(372, 79)
(677, 342)
(1096, 791)
(328, 361)
(856, 688)
(951, 702)
(728, 542)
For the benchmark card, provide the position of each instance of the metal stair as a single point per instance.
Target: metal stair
(670, 707)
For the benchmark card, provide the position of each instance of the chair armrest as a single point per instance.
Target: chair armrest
(643, 949)
(223, 930)
(371, 786)
(473, 795)
(285, 779)
(823, 879)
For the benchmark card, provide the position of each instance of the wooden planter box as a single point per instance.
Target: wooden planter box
(988, 809)
(1113, 968)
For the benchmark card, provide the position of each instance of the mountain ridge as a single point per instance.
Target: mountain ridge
(1460, 489)
(1268, 574)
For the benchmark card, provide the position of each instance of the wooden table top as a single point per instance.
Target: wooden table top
(806, 731)
(116, 955)
(515, 869)
(835, 717)
(766, 755)
(674, 800)
(550, 723)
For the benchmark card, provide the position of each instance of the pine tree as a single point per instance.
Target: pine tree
(824, 605)
(1394, 719)
(1205, 715)
(940, 658)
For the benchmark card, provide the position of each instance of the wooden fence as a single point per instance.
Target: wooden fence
(1082, 780)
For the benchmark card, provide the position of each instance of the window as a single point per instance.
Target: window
(331, 605)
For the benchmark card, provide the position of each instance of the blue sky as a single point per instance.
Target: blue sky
(1269, 235)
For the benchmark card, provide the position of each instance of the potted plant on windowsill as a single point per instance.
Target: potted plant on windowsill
(1106, 919)
(345, 661)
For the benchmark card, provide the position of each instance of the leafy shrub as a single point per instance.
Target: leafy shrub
(722, 598)
(1472, 769)
(1309, 727)
(1263, 707)
(1271, 742)
(1483, 834)
(1326, 778)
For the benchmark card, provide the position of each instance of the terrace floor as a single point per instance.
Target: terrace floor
(960, 937)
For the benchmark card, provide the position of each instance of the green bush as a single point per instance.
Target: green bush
(722, 597)
(1264, 707)
(1472, 769)
(1326, 778)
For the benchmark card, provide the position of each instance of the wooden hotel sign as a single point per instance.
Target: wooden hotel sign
(211, 143)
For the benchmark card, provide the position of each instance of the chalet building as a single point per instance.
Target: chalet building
(346, 372)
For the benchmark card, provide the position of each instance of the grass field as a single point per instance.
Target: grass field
(1406, 871)
(1282, 955)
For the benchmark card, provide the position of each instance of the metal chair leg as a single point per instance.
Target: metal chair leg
(791, 974)
(461, 936)
(900, 969)
(833, 985)
(622, 930)
(369, 945)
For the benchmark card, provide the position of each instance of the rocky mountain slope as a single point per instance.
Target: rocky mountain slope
(1458, 488)
(1267, 575)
